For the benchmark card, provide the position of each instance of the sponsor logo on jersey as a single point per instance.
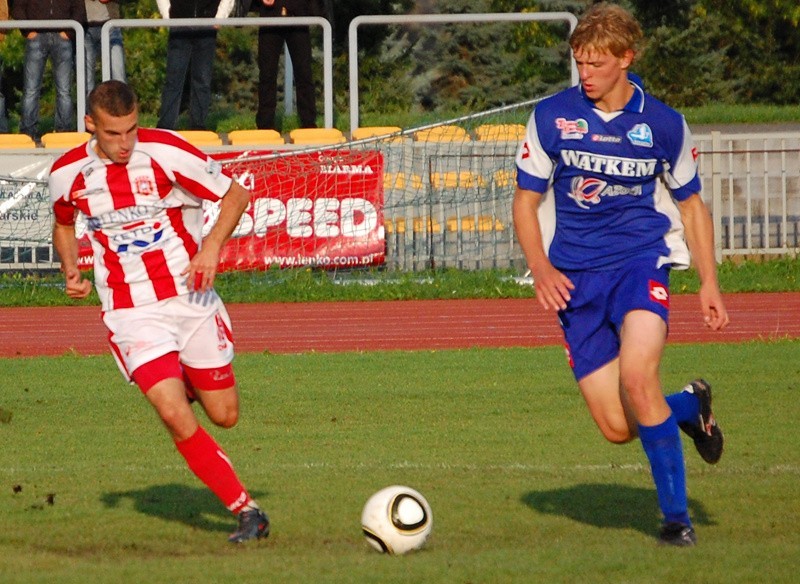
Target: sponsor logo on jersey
(572, 129)
(591, 190)
(144, 185)
(526, 150)
(641, 135)
(659, 293)
(609, 165)
(606, 139)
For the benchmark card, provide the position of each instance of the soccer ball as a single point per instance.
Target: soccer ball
(396, 520)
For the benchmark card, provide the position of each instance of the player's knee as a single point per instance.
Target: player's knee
(617, 437)
(225, 418)
(617, 433)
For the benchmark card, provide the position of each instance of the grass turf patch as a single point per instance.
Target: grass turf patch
(522, 486)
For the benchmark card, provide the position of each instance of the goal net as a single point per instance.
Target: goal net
(435, 196)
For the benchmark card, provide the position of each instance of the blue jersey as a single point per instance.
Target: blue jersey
(609, 180)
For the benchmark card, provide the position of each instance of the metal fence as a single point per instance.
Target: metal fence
(452, 207)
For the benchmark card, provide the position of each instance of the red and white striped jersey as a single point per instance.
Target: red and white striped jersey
(144, 218)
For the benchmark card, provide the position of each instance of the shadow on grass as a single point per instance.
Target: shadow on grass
(196, 507)
(608, 506)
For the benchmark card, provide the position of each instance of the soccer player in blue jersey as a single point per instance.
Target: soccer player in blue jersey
(607, 195)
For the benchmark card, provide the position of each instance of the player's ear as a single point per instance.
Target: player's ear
(90, 127)
(626, 60)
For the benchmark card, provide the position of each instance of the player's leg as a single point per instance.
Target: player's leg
(162, 383)
(643, 336)
(206, 356)
(216, 391)
(608, 405)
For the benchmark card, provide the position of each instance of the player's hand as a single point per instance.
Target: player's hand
(552, 287)
(76, 286)
(202, 270)
(715, 316)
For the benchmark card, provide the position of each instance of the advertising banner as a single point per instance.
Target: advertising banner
(317, 209)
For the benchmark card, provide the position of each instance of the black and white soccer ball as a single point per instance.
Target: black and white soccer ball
(396, 520)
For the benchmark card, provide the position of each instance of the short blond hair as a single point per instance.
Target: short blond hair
(606, 28)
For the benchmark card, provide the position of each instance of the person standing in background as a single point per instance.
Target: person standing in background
(190, 50)
(98, 12)
(270, 47)
(56, 45)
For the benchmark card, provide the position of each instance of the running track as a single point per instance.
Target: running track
(370, 326)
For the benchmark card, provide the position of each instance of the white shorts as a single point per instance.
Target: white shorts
(197, 326)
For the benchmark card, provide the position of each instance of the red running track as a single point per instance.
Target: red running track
(370, 326)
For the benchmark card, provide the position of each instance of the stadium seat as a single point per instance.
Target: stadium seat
(500, 132)
(255, 137)
(201, 137)
(446, 133)
(16, 141)
(316, 136)
(468, 223)
(400, 180)
(426, 225)
(64, 139)
(456, 179)
(373, 131)
(504, 178)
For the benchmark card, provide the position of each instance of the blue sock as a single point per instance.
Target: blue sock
(662, 444)
(684, 405)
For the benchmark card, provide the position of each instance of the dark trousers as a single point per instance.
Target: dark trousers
(192, 51)
(270, 48)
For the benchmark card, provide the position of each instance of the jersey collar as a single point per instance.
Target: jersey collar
(636, 102)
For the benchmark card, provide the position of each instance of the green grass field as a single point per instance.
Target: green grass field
(522, 486)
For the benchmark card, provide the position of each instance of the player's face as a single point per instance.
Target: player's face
(604, 77)
(115, 135)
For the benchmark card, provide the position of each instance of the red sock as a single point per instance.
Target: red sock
(208, 461)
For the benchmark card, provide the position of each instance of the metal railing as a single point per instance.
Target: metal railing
(327, 41)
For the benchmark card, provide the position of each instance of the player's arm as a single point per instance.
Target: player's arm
(66, 245)
(552, 287)
(202, 269)
(700, 238)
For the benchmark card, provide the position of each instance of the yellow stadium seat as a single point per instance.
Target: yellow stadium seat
(255, 137)
(316, 136)
(504, 178)
(426, 225)
(201, 137)
(500, 132)
(373, 131)
(468, 223)
(64, 139)
(447, 133)
(16, 141)
(456, 179)
(399, 180)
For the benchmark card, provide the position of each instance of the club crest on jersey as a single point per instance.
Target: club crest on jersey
(586, 190)
(143, 185)
(659, 293)
(572, 129)
(641, 135)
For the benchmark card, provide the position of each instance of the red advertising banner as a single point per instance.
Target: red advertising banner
(319, 209)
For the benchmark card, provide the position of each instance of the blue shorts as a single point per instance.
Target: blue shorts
(593, 317)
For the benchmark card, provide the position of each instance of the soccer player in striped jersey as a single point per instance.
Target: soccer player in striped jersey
(141, 193)
(607, 186)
